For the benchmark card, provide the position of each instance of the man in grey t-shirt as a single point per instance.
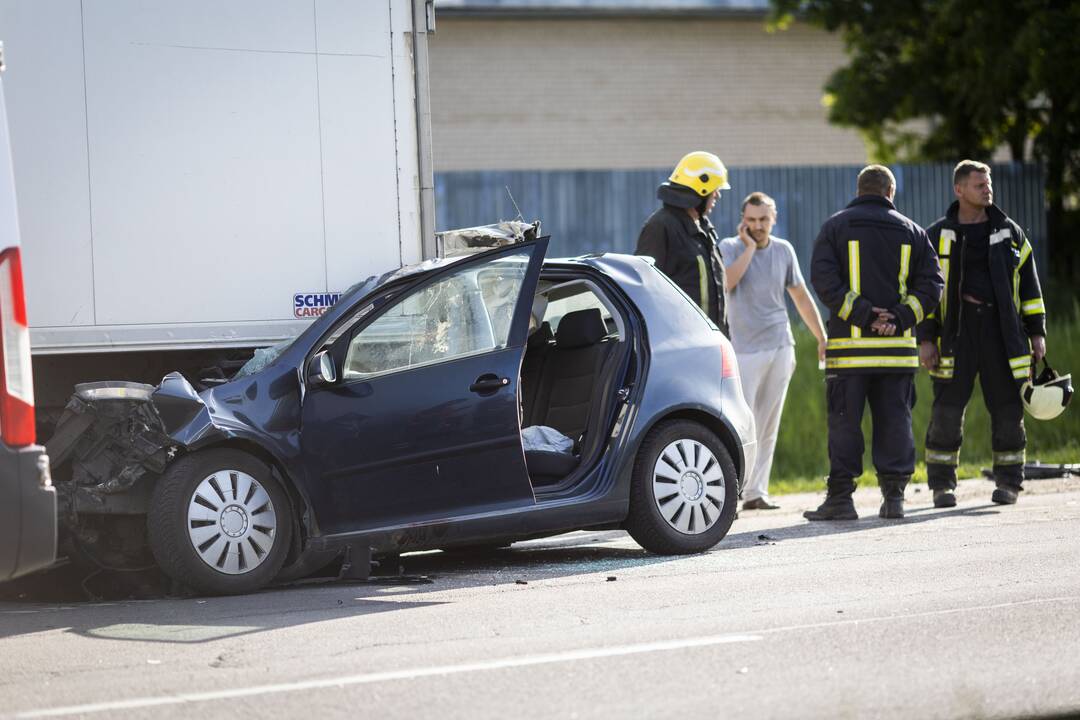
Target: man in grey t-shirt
(759, 268)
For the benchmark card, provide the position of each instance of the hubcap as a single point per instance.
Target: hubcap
(231, 522)
(688, 486)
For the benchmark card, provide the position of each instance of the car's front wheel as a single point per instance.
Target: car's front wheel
(219, 522)
(684, 491)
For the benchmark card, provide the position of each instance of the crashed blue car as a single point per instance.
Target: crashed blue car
(474, 400)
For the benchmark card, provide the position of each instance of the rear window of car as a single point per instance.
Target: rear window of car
(574, 297)
(686, 297)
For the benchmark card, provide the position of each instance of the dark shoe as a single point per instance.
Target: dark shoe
(1005, 495)
(841, 508)
(892, 495)
(944, 498)
(891, 509)
(759, 504)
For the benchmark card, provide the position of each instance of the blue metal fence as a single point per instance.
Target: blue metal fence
(596, 211)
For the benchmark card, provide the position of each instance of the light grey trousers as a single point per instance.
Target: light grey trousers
(765, 376)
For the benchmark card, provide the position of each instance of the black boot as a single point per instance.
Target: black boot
(944, 498)
(838, 504)
(892, 494)
(1005, 494)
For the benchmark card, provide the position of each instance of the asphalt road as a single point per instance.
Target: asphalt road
(968, 612)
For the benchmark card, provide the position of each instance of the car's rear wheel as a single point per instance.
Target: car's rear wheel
(219, 522)
(684, 492)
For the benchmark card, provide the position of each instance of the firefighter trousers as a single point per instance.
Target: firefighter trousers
(891, 396)
(980, 351)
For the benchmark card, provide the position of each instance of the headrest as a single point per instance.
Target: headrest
(541, 336)
(539, 307)
(580, 328)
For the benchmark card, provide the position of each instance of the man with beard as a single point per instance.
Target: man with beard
(680, 237)
(758, 269)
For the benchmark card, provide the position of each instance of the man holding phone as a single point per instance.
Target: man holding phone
(758, 269)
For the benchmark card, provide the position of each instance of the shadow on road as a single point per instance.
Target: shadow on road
(56, 600)
(138, 606)
(804, 529)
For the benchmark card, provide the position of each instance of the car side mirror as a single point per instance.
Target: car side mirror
(320, 369)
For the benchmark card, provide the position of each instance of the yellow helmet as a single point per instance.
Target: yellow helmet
(702, 172)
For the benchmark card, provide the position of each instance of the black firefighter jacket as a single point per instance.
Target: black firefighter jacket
(869, 255)
(1017, 293)
(689, 256)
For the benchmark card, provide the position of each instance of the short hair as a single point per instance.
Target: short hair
(965, 168)
(758, 198)
(875, 180)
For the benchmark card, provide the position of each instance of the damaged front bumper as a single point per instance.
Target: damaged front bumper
(113, 437)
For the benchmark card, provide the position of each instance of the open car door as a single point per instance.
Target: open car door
(422, 423)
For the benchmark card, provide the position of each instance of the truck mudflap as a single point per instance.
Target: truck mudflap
(112, 435)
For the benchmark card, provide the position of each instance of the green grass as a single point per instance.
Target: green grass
(802, 461)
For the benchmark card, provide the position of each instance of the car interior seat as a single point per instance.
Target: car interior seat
(563, 388)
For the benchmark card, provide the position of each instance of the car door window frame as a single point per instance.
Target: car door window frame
(601, 297)
(451, 318)
(518, 324)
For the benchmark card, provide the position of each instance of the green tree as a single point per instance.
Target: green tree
(938, 80)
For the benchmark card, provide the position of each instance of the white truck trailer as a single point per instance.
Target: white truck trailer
(197, 179)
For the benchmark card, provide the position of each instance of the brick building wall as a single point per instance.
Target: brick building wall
(620, 93)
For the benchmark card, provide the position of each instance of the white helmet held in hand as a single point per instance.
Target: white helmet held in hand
(1046, 397)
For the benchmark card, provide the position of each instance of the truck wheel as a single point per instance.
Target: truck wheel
(683, 494)
(219, 522)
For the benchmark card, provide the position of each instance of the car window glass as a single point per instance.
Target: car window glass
(571, 299)
(464, 313)
(356, 317)
(689, 301)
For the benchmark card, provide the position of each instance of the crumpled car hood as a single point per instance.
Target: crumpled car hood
(183, 412)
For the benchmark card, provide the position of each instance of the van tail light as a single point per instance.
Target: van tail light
(16, 376)
(730, 367)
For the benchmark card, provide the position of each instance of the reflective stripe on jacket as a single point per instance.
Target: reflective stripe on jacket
(687, 254)
(869, 255)
(1017, 293)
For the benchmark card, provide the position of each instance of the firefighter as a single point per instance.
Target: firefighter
(680, 237)
(991, 323)
(878, 274)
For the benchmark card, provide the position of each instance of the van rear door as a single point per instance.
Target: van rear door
(27, 498)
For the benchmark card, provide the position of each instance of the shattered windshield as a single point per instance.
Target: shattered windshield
(264, 357)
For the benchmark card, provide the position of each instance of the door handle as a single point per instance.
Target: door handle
(488, 384)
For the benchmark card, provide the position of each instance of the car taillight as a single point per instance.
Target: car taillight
(16, 377)
(730, 364)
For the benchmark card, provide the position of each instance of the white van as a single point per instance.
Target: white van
(27, 498)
